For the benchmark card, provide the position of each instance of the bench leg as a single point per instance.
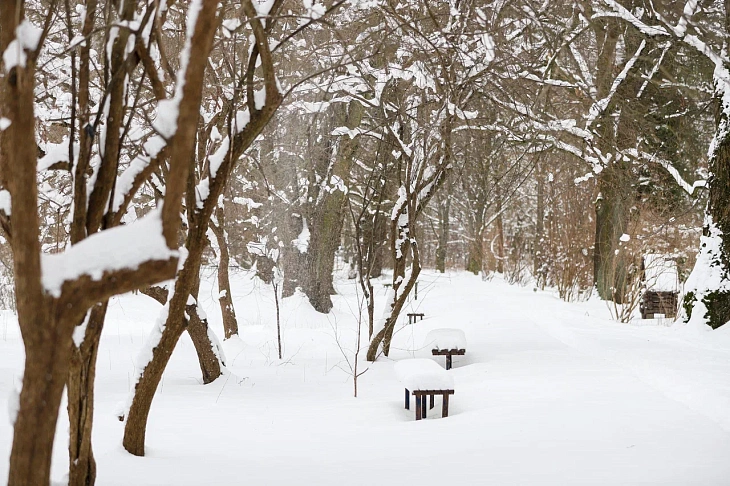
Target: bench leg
(448, 361)
(418, 407)
(423, 405)
(408, 400)
(431, 402)
(445, 408)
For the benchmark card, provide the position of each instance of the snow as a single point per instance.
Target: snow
(55, 152)
(27, 37)
(550, 393)
(167, 110)
(423, 374)
(707, 274)
(263, 7)
(166, 121)
(445, 339)
(125, 181)
(216, 159)
(660, 273)
(301, 243)
(113, 249)
(4, 123)
(14, 399)
(5, 202)
(231, 24)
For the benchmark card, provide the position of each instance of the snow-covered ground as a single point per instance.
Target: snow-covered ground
(548, 393)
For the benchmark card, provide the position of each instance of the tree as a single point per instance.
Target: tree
(55, 292)
(243, 114)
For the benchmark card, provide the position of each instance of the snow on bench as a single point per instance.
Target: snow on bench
(446, 342)
(424, 377)
(423, 374)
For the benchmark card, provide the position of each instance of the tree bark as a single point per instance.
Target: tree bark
(443, 235)
(225, 299)
(209, 354)
(475, 258)
(206, 348)
(612, 218)
(80, 389)
(611, 205)
(328, 212)
(46, 369)
(499, 223)
(538, 268)
(717, 220)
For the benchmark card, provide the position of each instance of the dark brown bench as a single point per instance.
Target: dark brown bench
(421, 401)
(412, 317)
(446, 342)
(448, 353)
(424, 377)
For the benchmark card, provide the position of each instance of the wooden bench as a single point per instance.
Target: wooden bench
(412, 317)
(423, 378)
(446, 342)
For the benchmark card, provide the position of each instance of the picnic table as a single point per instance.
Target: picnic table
(446, 342)
(423, 377)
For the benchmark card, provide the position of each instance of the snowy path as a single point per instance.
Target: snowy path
(548, 394)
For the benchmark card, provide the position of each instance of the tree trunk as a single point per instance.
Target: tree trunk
(80, 389)
(443, 236)
(500, 230)
(136, 425)
(475, 258)
(538, 269)
(402, 289)
(46, 332)
(187, 277)
(325, 238)
(612, 218)
(402, 243)
(716, 302)
(611, 210)
(225, 299)
(46, 369)
(377, 238)
(206, 346)
(715, 249)
(328, 212)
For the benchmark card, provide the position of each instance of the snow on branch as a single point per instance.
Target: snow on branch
(119, 248)
(621, 12)
(167, 110)
(600, 106)
(686, 186)
(56, 154)
(27, 37)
